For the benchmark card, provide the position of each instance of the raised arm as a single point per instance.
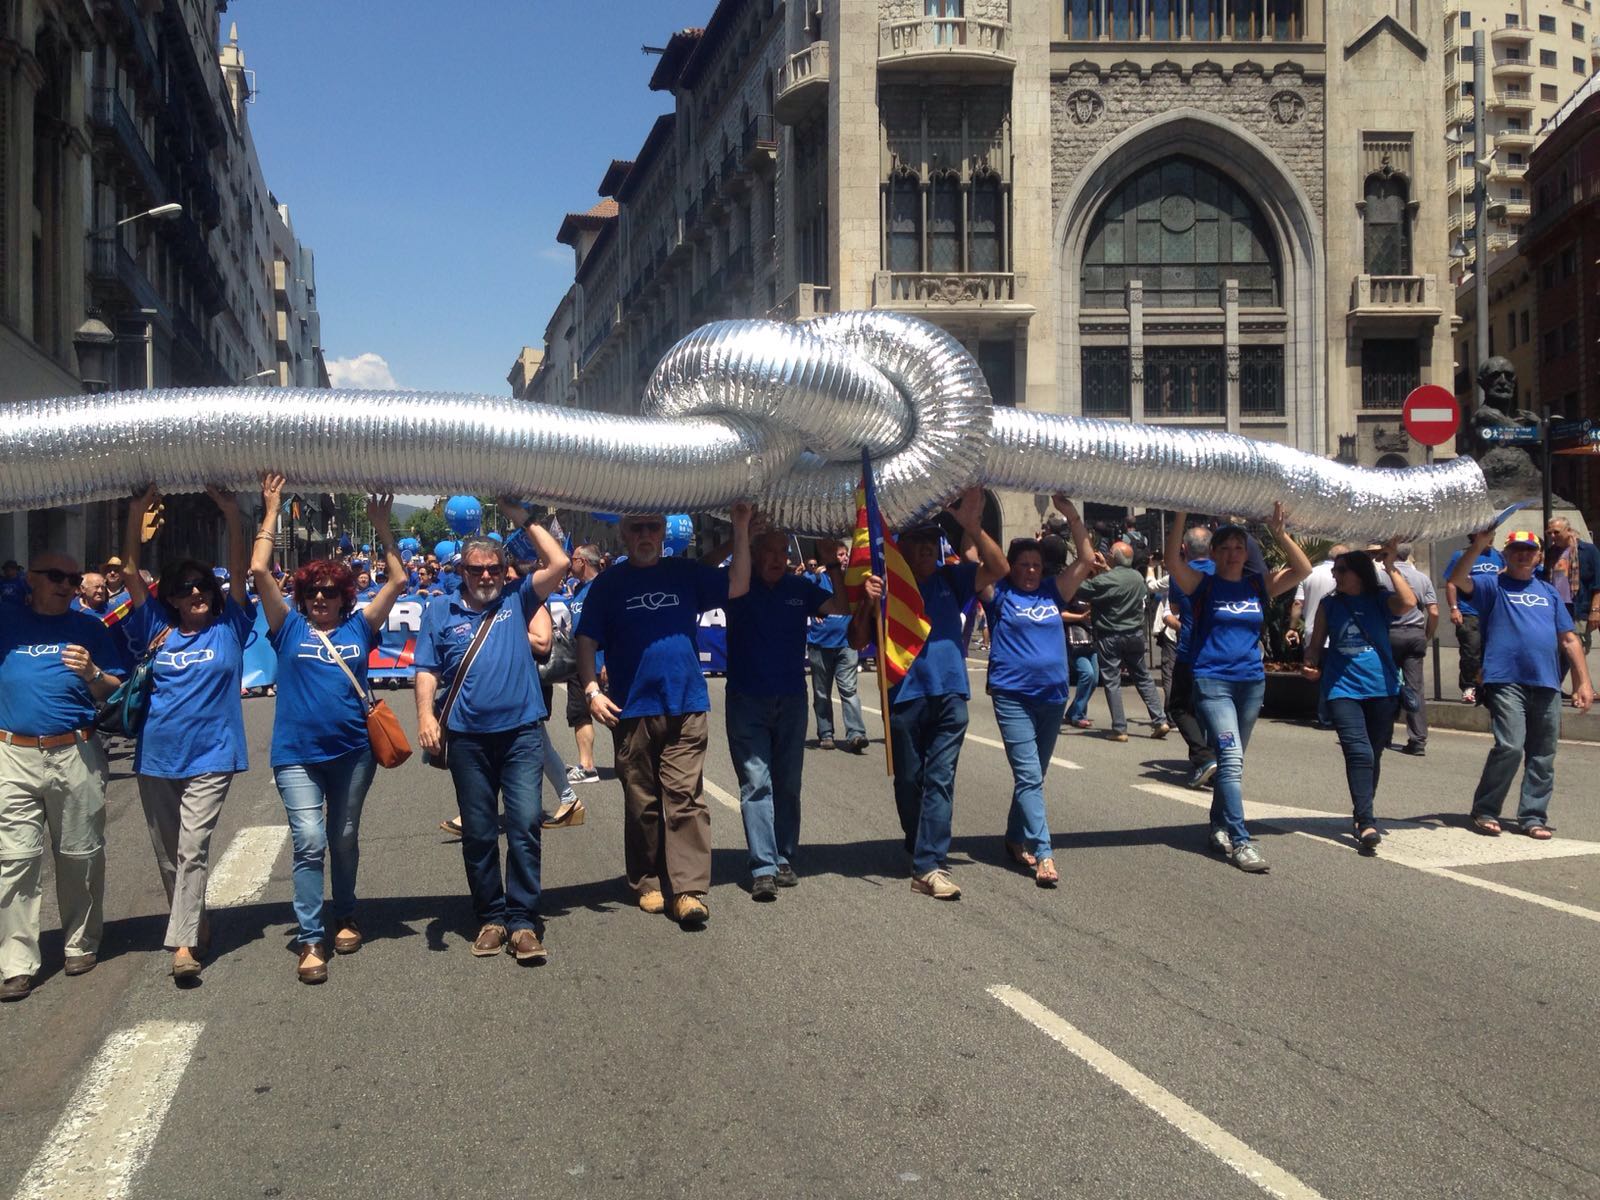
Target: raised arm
(149, 501)
(1185, 576)
(1404, 598)
(553, 561)
(838, 604)
(968, 512)
(739, 568)
(238, 553)
(397, 578)
(273, 605)
(1461, 577)
(1083, 566)
(1297, 565)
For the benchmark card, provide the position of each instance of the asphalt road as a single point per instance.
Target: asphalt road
(1421, 1024)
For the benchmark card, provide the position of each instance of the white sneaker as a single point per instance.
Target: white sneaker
(937, 884)
(576, 774)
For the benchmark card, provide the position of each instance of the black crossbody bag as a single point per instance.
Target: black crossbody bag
(442, 759)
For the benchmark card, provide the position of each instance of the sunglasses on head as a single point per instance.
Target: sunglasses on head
(325, 591)
(75, 578)
(492, 570)
(190, 587)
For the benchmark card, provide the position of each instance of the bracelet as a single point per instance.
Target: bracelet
(591, 691)
(271, 537)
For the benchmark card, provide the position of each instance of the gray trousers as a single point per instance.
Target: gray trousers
(181, 814)
(1410, 650)
(831, 666)
(62, 791)
(1120, 650)
(1527, 725)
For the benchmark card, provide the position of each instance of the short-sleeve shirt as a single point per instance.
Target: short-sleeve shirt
(828, 633)
(1116, 601)
(1358, 664)
(941, 668)
(1522, 624)
(647, 619)
(1027, 653)
(767, 635)
(318, 714)
(195, 725)
(1421, 586)
(1490, 563)
(39, 696)
(14, 591)
(1229, 628)
(501, 691)
(1184, 607)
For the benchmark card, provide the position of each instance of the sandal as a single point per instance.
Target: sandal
(1020, 856)
(1083, 723)
(1487, 826)
(452, 826)
(1368, 837)
(1539, 833)
(1045, 875)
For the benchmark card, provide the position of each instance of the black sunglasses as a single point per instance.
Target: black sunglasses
(189, 587)
(54, 576)
(325, 591)
(491, 570)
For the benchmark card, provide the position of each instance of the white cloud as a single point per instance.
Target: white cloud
(367, 370)
(560, 255)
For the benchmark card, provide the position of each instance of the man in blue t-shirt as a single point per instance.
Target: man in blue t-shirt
(928, 708)
(1526, 629)
(586, 566)
(644, 613)
(13, 586)
(52, 771)
(1464, 616)
(495, 717)
(768, 609)
(834, 662)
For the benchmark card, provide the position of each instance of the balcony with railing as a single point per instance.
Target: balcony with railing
(112, 118)
(802, 83)
(735, 175)
(1511, 68)
(1515, 139)
(934, 291)
(760, 142)
(1511, 35)
(966, 43)
(1391, 298)
(134, 35)
(808, 300)
(1507, 170)
(1511, 100)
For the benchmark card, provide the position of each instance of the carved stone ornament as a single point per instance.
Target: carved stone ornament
(1136, 364)
(1233, 362)
(1287, 107)
(1386, 441)
(1085, 107)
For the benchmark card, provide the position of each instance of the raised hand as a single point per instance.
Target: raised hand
(227, 503)
(379, 508)
(272, 489)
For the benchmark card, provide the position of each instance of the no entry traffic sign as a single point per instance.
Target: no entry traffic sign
(1431, 414)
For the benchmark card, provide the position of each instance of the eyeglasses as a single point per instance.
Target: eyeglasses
(325, 591)
(490, 570)
(75, 578)
(646, 527)
(189, 587)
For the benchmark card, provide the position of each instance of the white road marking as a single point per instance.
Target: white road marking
(112, 1120)
(720, 795)
(1066, 764)
(1193, 1124)
(241, 874)
(1423, 846)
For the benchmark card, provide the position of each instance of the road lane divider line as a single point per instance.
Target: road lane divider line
(111, 1122)
(241, 874)
(721, 795)
(1066, 764)
(1193, 1124)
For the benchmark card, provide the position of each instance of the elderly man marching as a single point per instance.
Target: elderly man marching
(768, 610)
(52, 771)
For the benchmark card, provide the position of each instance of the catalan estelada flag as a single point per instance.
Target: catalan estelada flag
(905, 623)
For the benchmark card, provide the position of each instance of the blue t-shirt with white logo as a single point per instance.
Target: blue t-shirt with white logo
(1027, 651)
(648, 619)
(195, 725)
(1229, 618)
(1183, 605)
(1358, 664)
(767, 635)
(318, 715)
(39, 696)
(14, 591)
(501, 690)
(1522, 621)
(1490, 563)
(828, 633)
(941, 668)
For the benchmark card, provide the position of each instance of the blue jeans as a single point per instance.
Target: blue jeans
(491, 769)
(1029, 729)
(340, 783)
(1527, 724)
(1365, 727)
(1085, 675)
(767, 738)
(926, 734)
(835, 666)
(1229, 709)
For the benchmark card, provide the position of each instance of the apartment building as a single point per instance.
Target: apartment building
(1209, 213)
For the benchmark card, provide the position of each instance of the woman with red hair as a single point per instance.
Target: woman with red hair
(321, 754)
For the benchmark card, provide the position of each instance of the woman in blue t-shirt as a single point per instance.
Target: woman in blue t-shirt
(1229, 610)
(321, 752)
(1029, 680)
(1360, 679)
(192, 743)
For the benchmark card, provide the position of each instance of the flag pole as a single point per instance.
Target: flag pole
(883, 685)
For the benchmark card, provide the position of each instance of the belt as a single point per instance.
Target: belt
(52, 741)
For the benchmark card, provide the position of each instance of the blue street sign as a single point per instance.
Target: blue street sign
(1511, 435)
(1572, 429)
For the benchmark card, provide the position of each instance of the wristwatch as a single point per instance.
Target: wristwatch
(96, 677)
(591, 691)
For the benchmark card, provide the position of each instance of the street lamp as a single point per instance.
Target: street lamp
(161, 212)
(259, 375)
(93, 340)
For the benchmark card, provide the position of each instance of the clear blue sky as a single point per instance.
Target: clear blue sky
(427, 153)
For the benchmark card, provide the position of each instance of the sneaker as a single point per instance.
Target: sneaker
(526, 946)
(1415, 749)
(857, 744)
(937, 884)
(652, 902)
(1469, 695)
(1203, 774)
(1160, 729)
(1246, 857)
(690, 911)
(577, 774)
(786, 877)
(764, 887)
(1118, 736)
(1221, 843)
(825, 743)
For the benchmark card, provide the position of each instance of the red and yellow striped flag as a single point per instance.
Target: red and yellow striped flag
(905, 623)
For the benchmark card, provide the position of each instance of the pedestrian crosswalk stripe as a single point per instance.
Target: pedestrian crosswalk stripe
(241, 874)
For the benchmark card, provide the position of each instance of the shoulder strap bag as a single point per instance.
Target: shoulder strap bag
(389, 745)
(125, 710)
(442, 758)
(1409, 699)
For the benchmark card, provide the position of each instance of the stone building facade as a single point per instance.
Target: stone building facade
(1221, 214)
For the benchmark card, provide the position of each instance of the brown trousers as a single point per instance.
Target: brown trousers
(666, 825)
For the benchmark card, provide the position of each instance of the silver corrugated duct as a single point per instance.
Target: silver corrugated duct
(736, 409)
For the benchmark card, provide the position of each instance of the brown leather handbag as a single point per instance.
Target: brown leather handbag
(389, 745)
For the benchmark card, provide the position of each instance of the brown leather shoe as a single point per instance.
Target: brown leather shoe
(16, 988)
(527, 947)
(491, 940)
(348, 939)
(690, 911)
(80, 964)
(652, 902)
(313, 966)
(185, 965)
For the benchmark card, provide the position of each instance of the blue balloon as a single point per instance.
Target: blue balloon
(463, 514)
(680, 529)
(408, 545)
(444, 550)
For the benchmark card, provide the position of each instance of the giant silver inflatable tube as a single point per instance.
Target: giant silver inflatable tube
(736, 409)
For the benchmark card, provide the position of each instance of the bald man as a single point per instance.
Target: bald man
(52, 771)
(1116, 598)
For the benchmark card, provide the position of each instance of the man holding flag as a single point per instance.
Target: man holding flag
(917, 604)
